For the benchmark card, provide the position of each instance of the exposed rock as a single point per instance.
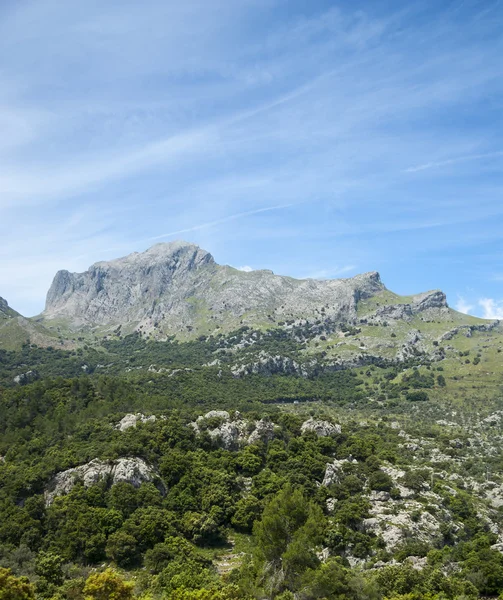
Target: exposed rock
(130, 420)
(334, 471)
(266, 364)
(27, 377)
(494, 419)
(131, 470)
(412, 346)
(168, 288)
(264, 431)
(217, 414)
(323, 555)
(495, 496)
(321, 428)
(468, 329)
(417, 562)
(428, 302)
(230, 434)
(395, 527)
(444, 423)
(331, 503)
(4, 306)
(379, 496)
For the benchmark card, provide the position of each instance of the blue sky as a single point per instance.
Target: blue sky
(314, 138)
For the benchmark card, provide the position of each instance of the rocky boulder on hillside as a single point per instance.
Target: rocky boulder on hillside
(320, 428)
(130, 470)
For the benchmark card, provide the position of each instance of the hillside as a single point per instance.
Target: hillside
(178, 289)
(333, 440)
(16, 330)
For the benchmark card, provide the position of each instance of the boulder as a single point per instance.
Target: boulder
(264, 431)
(27, 377)
(131, 470)
(334, 471)
(130, 420)
(321, 428)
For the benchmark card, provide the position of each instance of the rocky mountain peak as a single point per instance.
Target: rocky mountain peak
(178, 288)
(178, 254)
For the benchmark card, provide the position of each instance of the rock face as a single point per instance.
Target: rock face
(233, 433)
(27, 377)
(131, 420)
(395, 527)
(131, 470)
(433, 304)
(178, 287)
(321, 428)
(6, 312)
(334, 471)
(4, 308)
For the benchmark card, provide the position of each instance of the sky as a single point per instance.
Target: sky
(315, 138)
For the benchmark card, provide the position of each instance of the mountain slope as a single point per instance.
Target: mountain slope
(16, 330)
(178, 288)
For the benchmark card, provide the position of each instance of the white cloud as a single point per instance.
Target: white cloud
(463, 306)
(245, 268)
(493, 309)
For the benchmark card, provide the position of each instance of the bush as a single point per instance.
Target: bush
(417, 396)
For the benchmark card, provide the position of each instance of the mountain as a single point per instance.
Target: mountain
(16, 330)
(178, 288)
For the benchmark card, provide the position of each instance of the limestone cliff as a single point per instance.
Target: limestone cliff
(179, 288)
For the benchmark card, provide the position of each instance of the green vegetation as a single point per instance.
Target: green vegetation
(401, 502)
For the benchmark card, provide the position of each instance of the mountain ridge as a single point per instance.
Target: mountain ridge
(173, 288)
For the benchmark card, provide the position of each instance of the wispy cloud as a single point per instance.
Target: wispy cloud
(281, 134)
(227, 219)
(463, 306)
(453, 161)
(492, 309)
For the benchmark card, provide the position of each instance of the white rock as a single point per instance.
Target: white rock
(331, 502)
(131, 470)
(130, 420)
(264, 431)
(321, 428)
(333, 471)
(219, 414)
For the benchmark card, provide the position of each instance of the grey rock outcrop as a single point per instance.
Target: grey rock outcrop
(268, 365)
(4, 306)
(234, 433)
(320, 428)
(264, 431)
(334, 471)
(28, 377)
(396, 526)
(131, 470)
(178, 287)
(467, 330)
(130, 420)
(432, 303)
